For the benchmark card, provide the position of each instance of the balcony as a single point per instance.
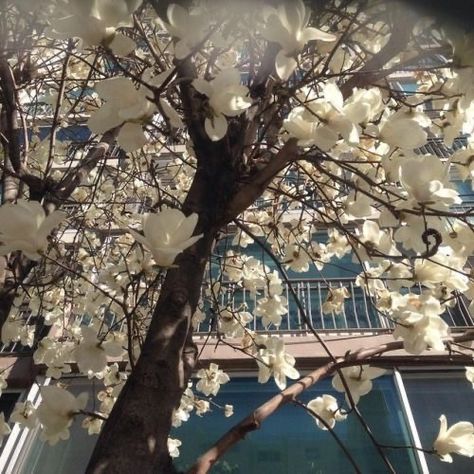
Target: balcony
(358, 314)
(358, 311)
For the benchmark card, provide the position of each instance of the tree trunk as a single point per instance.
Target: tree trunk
(134, 439)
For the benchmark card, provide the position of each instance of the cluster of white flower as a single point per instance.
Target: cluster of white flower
(359, 173)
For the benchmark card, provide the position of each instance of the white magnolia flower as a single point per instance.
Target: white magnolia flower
(322, 121)
(458, 439)
(186, 406)
(287, 26)
(326, 407)
(232, 323)
(3, 383)
(202, 407)
(296, 259)
(419, 323)
(227, 97)
(189, 27)
(173, 445)
(56, 412)
(24, 414)
(167, 234)
(124, 105)
(25, 227)
(4, 428)
(335, 300)
(271, 309)
(405, 129)
(337, 243)
(228, 410)
(358, 380)
(363, 105)
(95, 22)
(275, 361)
(92, 424)
(254, 275)
(376, 243)
(426, 180)
(91, 354)
(211, 379)
(470, 375)
(464, 162)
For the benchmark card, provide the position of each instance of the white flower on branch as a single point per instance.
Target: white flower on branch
(458, 439)
(4, 428)
(227, 97)
(335, 300)
(190, 28)
(405, 129)
(211, 379)
(228, 410)
(186, 406)
(287, 25)
(3, 383)
(95, 22)
(322, 120)
(92, 424)
(326, 407)
(173, 445)
(124, 105)
(275, 361)
(463, 159)
(358, 380)
(24, 226)
(363, 105)
(470, 375)
(418, 322)
(56, 412)
(91, 354)
(167, 234)
(24, 414)
(271, 308)
(232, 323)
(296, 258)
(426, 180)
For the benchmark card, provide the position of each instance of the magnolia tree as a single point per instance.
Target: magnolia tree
(145, 145)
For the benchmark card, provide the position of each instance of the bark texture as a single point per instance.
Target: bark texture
(135, 436)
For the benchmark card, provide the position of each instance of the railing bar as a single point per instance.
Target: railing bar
(366, 307)
(344, 314)
(333, 314)
(288, 299)
(309, 312)
(354, 306)
(321, 315)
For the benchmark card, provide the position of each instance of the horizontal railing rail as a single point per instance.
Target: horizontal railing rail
(358, 312)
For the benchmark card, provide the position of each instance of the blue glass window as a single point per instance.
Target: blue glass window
(432, 395)
(290, 442)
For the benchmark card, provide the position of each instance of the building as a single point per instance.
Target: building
(398, 409)
(402, 409)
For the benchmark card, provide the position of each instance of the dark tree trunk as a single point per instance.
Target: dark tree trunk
(134, 438)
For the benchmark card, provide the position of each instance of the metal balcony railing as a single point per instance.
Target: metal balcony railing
(358, 313)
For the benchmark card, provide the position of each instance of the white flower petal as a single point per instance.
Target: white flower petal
(216, 128)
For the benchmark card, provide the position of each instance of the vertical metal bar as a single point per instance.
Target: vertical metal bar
(420, 455)
(321, 315)
(309, 310)
(289, 302)
(366, 308)
(333, 315)
(354, 306)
